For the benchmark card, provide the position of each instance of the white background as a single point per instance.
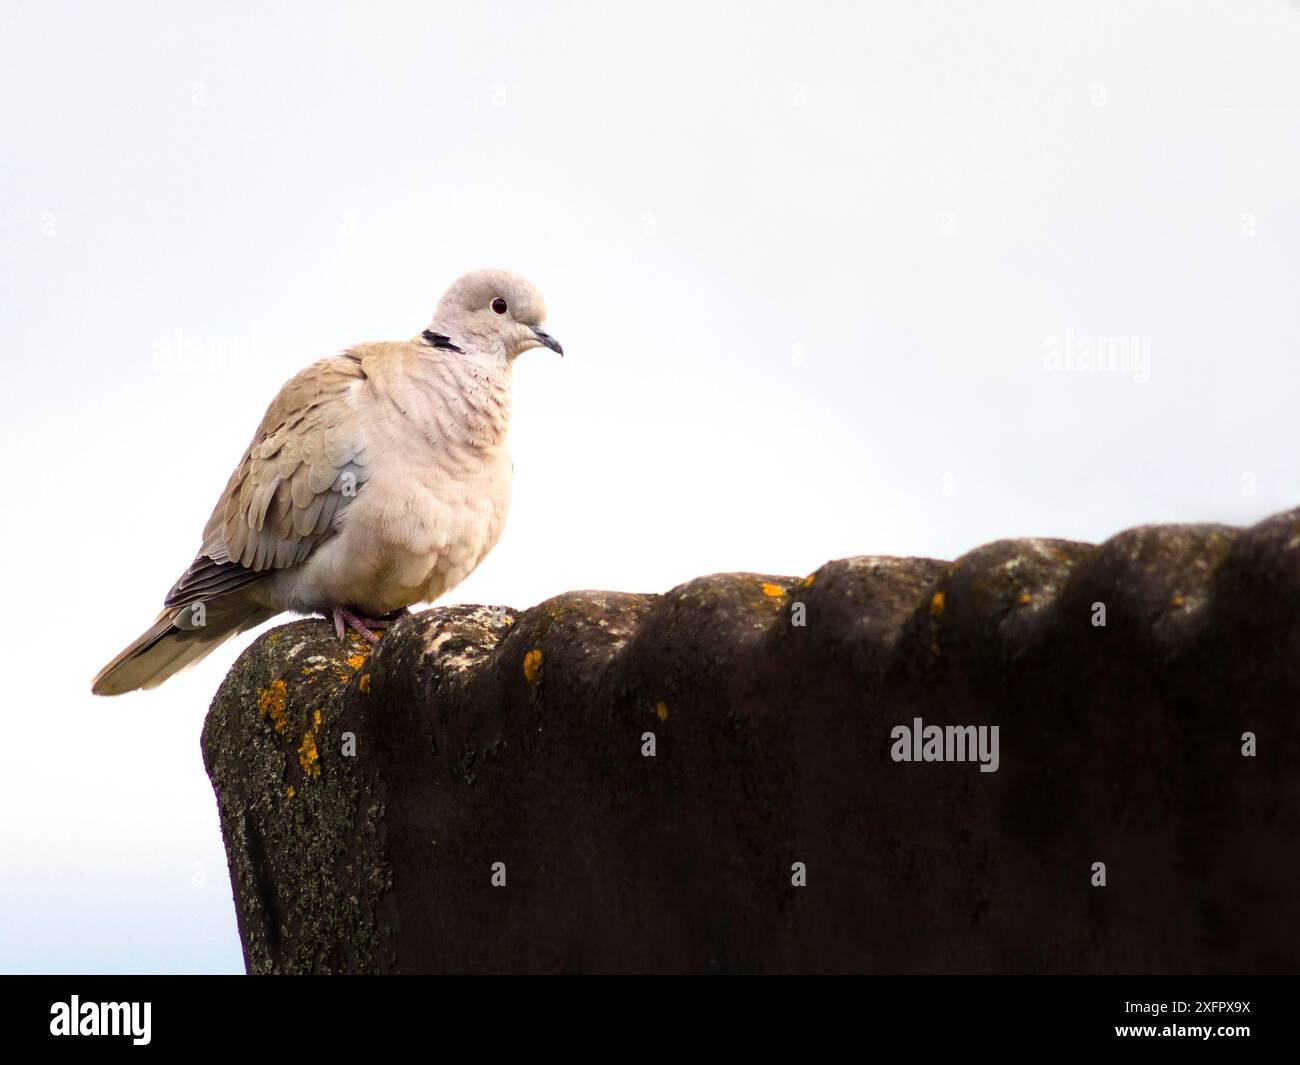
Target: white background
(807, 261)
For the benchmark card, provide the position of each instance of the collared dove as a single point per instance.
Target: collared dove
(378, 478)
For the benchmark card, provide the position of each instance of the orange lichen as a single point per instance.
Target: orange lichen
(271, 703)
(533, 665)
(1178, 600)
(808, 580)
(662, 711)
(308, 756)
(936, 605)
(292, 792)
(1026, 598)
(356, 661)
(364, 684)
(772, 591)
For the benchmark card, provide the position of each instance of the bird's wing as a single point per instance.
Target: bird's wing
(306, 463)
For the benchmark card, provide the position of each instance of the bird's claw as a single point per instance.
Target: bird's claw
(345, 619)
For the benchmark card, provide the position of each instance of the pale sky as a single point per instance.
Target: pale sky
(810, 264)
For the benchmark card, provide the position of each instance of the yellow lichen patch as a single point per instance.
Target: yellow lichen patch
(356, 661)
(292, 792)
(308, 756)
(1178, 600)
(808, 580)
(772, 591)
(533, 665)
(936, 605)
(364, 684)
(271, 703)
(1025, 599)
(661, 711)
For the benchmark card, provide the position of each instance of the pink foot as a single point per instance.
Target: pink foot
(344, 619)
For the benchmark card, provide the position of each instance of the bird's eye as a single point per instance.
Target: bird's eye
(499, 305)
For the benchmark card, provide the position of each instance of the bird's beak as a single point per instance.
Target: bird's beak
(547, 341)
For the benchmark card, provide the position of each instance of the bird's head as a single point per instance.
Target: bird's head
(494, 310)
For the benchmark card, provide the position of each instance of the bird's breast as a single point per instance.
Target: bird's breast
(418, 529)
(434, 503)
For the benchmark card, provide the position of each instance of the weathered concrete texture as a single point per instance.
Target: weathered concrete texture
(482, 736)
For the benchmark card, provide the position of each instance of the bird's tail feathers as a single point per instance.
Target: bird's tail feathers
(180, 637)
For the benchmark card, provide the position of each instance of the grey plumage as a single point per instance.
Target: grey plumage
(377, 478)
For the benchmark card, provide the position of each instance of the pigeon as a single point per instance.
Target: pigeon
(378, 478)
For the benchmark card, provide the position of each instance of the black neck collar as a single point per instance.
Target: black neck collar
(441, 340)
